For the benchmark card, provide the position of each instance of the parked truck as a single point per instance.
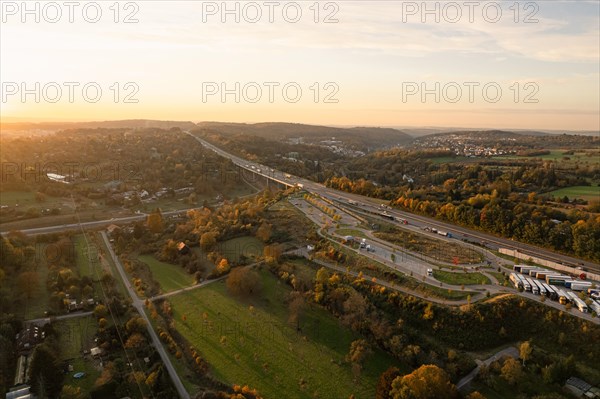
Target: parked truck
(580, 285)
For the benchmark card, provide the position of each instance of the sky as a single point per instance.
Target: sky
(504, 64)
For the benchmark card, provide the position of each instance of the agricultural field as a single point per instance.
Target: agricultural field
(76, 335)
(170, 277)
(588, 193)
(460, 278)
(251, 342)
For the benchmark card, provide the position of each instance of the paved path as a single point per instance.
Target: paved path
(46, 320)
(510, 351)
(139, 305)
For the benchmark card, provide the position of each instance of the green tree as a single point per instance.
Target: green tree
(46, 374)
(28, 282)
(100, 311)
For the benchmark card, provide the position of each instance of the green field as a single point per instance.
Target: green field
(460, 278)
(76, 335)
(170, 277)
(589, 193)
(250, 247)
(82, 258)
(35, 306)
(250, 342)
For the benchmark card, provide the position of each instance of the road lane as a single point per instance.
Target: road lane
(139, 305)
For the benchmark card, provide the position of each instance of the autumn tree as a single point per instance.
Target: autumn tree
(475, 395)
(100, 311)
(155, 221)
(135, 341)
(223, 267)
(243, 281)
(208, 240)
(384, 384)
(426, 382)
(359, 350)
(272, 253)
(71, 392)
(525, 351)
(264, 232)
(136, 324)
(511, 371)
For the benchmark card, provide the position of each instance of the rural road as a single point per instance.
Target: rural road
(45, 320)
(139, 305)
(510, 351)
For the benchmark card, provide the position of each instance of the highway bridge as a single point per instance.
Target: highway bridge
(353, 201)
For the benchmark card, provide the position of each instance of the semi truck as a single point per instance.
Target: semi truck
(541, 289)
(595, 307)
(444, 233)
(557, 279)
(515, 280)
(577, 302)
(534, 287)
(580, 285)
(550, 293)
(563, 298)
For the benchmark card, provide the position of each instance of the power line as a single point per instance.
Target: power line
(129, 362)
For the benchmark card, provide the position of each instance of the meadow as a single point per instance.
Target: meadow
(589, 193)
(170, 277)
(250, 342)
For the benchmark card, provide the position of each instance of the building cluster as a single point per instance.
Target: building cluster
(467, 146)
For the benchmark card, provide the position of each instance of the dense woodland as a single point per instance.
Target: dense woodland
(499, 198)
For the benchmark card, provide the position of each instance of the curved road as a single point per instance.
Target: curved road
(367, 203)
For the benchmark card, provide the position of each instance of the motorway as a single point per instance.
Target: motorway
(370, 205)
(139, 305)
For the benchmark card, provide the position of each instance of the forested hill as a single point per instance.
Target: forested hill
(121, 124)
(357, 137)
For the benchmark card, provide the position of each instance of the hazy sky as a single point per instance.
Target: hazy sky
(481, 64)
